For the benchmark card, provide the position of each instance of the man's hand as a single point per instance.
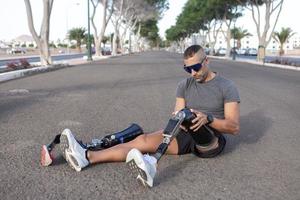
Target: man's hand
(182, 127)
(200, 120)
(175, 113)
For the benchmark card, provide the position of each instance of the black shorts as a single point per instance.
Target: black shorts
(186, 145)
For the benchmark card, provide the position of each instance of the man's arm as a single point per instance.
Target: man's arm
(179, 104)
(231, 123)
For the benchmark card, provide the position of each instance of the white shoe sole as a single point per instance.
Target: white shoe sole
(72, 161)
(67, 154)
(137, 167)
(64, 144)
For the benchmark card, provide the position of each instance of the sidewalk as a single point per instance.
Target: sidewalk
(258, 63)
(56, 65)
(16, 57)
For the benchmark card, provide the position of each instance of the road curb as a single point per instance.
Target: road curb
(259, 63)
(27, 72)
(7, 76)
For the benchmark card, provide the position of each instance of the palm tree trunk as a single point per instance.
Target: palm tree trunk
(281, 51)
(239, 45)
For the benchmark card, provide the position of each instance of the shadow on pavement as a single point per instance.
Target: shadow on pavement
(11, 103)
(172, 170)
(252, 127)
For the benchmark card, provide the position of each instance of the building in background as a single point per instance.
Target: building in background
(291, 47)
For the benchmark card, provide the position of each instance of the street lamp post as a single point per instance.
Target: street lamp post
(89, 57)
(234, 34)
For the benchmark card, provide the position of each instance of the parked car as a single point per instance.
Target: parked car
(16, 51)
(234, 50)
(106, 51)
(207, 51)
(242, 51)
(93, 50)
(221, 52)
(252, 52)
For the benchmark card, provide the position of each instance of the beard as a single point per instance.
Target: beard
(202, 77)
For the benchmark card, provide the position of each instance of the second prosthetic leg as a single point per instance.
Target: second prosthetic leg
(107, 141)
(123, 136)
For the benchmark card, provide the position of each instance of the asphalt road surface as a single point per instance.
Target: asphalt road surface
(96, 99)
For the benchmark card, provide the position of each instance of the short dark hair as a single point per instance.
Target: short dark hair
(191, 51)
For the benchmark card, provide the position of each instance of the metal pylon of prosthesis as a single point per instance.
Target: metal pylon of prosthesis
(172, 129)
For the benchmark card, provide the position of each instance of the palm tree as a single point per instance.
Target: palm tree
(238, 34)
(77, 34)
(282, 37)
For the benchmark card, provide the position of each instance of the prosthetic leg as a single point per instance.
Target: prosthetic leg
(143, 166)
(107, 141)
(124, 136)
(183, 117)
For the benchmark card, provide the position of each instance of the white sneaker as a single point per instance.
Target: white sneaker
(73, 152)
(144, 166)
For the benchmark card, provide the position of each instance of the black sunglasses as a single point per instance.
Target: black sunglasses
(195, 67)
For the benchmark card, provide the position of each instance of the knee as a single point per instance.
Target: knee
(141, 139)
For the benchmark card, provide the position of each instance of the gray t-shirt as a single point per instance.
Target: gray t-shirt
(208, 97)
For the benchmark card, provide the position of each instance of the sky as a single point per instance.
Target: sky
(68, 14)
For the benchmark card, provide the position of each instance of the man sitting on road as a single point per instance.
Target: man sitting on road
(212, 98)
